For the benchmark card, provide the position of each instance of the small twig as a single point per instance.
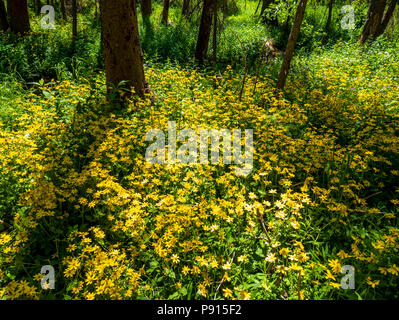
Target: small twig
(372, 195)
(363, 211)
(258, 66)
(221, 281)
(299, 286)
(297, 184)
(262, 222)
(258, 6)
(245, 62)
(269, 240)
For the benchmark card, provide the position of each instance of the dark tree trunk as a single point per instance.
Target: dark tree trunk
(122, 50)
(3, 17)
(146, 8)
(38, 6)
(215, 31)
(63, 11)
(289, 52)
(387, 17)
(329, 18)
(74, 19)
(204, 31)
(96, 8)
(373, 19)
(186, 8)
(165, 12)
(224, 8)
(265, 5)
(19, 16)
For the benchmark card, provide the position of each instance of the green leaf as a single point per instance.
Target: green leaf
(47, 94)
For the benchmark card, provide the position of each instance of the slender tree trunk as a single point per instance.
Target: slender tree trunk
(373, 19)
(204, 31)
(329, 18)
(63, 11)
(289, 52)
(257, 7)
(38, 6)
(186, 8)
(74, 19)
(265, 5)
(146, 11)
(19, 16)
(224, 8)
(215, 31)
(387, 17)
(3, 17)
(122, 49)
(165, 12)
(146, 8)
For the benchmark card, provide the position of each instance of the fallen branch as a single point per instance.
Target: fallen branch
(372, 195)
(221, 281)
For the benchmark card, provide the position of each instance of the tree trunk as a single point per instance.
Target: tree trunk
(74, 19)
(96, 8)
(265, 5)
(328, 23)
(146, 8)
(3, 17)
(204, 31)
(329, 18)
(186, 8)
(63, 11)
(215, 31)
(373, 19)
(122, 51)
(224, 8)
(38, 6)
(165, 12)
(19, 16)
(289, 52)
(387, 17)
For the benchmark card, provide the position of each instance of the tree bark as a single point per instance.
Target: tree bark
(289, 52)
(74, 19)
(215, 31)
(19, 16)
(63, 11)
(165, 12)
(373, 19)
(328, 23)
(265, 5)
(3, 17)
(204, 31)
(122, 49)
(146, 8)
(186, 8)
(387, 17)
(38, 5)
(329, 18)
